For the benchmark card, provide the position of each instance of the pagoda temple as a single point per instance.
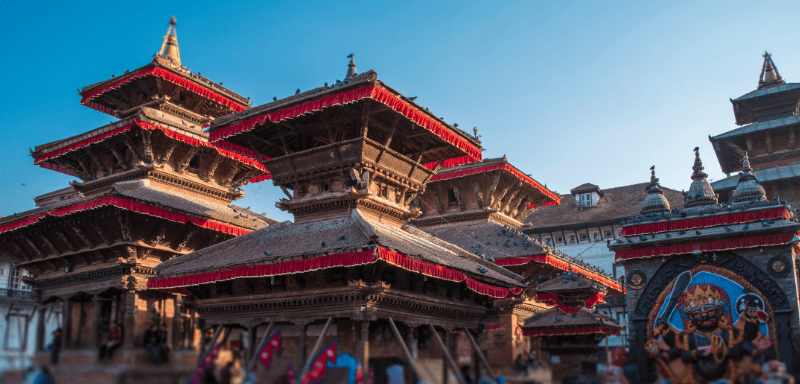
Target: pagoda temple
(150, 187)
(768, 122)
(480, 207)
(713, 286)
(353, 159)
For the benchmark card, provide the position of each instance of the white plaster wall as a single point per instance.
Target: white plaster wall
(10, 336)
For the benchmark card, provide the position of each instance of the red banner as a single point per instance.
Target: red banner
(552, 299)
(166, 75)
(319, 365)
(466, 172)
(779, 213)
(332, 261)
(130, 206)
(371, 92)
(717, 245)
(564, 266)
(267, 351)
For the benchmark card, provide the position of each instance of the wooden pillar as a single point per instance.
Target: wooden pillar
(66, 335)
(40, 325)
(177, 320)
(94, 336)
(302, 348)
(444, 362)
(365, 347)
(79, 342)
(131, 316)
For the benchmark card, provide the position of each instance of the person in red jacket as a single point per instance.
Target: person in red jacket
(112, 343)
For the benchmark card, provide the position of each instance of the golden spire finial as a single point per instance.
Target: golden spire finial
(169, 47)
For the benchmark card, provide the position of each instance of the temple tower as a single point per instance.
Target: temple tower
(151, 187)
(768, 126)
(712, 271)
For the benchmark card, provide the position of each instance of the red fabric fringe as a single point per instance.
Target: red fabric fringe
(226, 149)
(507, 167)
(717, 245)
(166, 75)
(373, 92)
(703, 222)
(614, 286)
(552, 299)
(130, 206)
(454, 162)
(570, 331)
(492, 327)
(331, 261)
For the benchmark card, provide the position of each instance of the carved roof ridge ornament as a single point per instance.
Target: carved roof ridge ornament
(748, 188)
(769, 73)
(700, 191)
(351, 68)
(655, 202)
(169, 47)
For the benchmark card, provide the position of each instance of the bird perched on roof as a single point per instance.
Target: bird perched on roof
(698, 233)
(412, 98)
(745, 227)
(728, 229)
(667, 235)
(274, 98)
(630, 241)
(683, 214)
(681, 232)
(558, 318)
(297, 92)
(765, 224)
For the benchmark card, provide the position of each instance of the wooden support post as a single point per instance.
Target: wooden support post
(364, 346)
(85, 166)
(148, 146)
(95, 327)
(212, 169)
(234, 170)
(477, 188)
(64, 239)
(86, 241)
(67, 323)
(365, 118)
(768, 140)
(40, 327)
(96, 159)
(168, 153)
(33, 246)
(124, 224)
(444, 364)
(411, 362)
(117, 155)
(128, 143)
(447, 355)
(131, 316)
(100, 232)
(49, 243)
(317, 345)
(461, 205)
(493, 187)
(302, 346)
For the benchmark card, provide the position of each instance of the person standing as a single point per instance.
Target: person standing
(152, 343)
(112, 343)
(55, 346)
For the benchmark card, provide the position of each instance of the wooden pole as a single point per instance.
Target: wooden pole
(480, 354)
(316, 347)
(255, 348)
(446, 353)
(405, 348)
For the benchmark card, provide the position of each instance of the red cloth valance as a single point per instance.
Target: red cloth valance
(372, 92)
(449, 163)
(564, 266)
(552, 299)
(130, 206)
(226, 149)
(710, 221)
(717, 245)
(331, 261)
(166, 75)
(466, 172)
(57, 168)
(570, 331)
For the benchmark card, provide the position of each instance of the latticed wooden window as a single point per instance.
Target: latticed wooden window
(16, 280)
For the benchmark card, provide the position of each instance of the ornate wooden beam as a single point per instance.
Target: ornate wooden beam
(157, 238)
(187, 159)
(439, 164)
(285, 148)
(488, 201)
(234, 170)
(168, 153)
(422, 149)
(439, 206)
(461, 205)
(148, 93)
(124, 224)
(129, 143)
(49, 243)
(18, 249)
(187, 238)
(100, 232)
(148, 146)
(100, 164)
(64, 239)
(120, 158)
(510, 200)
(88, 242)
(768, 140)
(199, 107)
(86, 169)
(213, 167)
(477, 189)
(365, 118)
(71, 168)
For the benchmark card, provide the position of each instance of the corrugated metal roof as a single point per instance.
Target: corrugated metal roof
(761, 126)
(768, 91)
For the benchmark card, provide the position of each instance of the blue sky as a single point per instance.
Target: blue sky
(571, 92)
